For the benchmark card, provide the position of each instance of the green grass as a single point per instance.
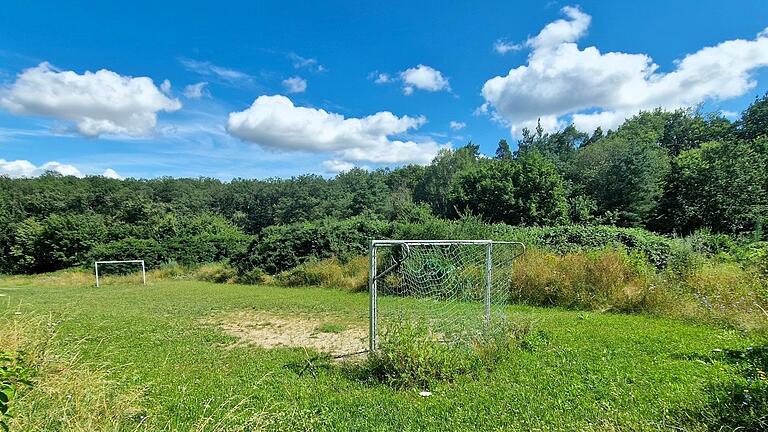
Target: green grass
(330, 328)
(596, 371)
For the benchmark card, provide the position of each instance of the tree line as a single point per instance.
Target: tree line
(671, 172)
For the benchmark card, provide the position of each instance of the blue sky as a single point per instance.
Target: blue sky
(344, 84)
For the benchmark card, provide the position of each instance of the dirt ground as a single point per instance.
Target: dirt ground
(269, 330)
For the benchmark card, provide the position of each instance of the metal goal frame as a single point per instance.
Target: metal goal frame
(143, 269)
(374, 275)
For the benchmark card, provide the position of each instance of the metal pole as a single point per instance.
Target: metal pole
(372, 292)
(96, 266)
(488, 281)
(143, 273)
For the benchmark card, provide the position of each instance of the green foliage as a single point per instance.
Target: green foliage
(410, 357)
(525, 191)
(624, 178)
(14, 373)
(721, 186)
(151, 251)
(741, 404)
(251, 277)
(280, 248)
(754, 121)
(436, 182)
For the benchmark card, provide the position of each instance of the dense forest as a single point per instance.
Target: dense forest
(670, 172)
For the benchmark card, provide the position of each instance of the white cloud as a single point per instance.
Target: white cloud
(383, 78)
(196, 91)
(423, 77)
(602, 89)
(205, 68)
(110, 173)
(295, 85)
(98, 102)
(502, 46)
(336, 166)
(24, 168)
(456, 125)
(300, 62)
(165, 87)
(275, 122)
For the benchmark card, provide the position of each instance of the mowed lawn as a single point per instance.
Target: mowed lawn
(596, 371)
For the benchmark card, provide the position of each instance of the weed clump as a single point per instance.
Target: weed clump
(216, 273)
(411, 356)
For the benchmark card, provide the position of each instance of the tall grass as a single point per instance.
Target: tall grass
(64, 393)
(604, 279)
(332, 273)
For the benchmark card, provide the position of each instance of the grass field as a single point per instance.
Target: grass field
(130, 357)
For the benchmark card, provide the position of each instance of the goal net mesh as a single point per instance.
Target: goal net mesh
(453, 288)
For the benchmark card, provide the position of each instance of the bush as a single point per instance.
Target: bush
(283, 247)
(559, 239)
(252, 277)
(755, 256)
(216, 273)
(151, 251)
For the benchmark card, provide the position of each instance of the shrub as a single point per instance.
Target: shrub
(755, 255)
(216, 273)
(252, 277)
(151, 251)
(171, 270)
(283, 247)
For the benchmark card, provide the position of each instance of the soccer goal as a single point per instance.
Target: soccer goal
(102, 263)
(455, 287)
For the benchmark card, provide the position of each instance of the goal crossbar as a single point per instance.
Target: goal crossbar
(143, 268)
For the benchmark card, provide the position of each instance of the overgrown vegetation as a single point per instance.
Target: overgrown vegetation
(409, 356)
(671, 172)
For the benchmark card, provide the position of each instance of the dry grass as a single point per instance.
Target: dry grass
(607, 279)
(723, 293)
(66, 394)
(352, 275)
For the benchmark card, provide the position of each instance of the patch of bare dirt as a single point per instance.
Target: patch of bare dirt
(270, 330)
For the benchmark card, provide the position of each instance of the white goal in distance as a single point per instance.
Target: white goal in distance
(143, 268)
(455, 287)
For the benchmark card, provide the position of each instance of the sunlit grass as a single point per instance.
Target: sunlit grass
(144, 353)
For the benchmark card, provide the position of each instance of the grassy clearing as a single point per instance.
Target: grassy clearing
(134, 357)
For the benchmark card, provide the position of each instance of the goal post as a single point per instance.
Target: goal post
(456, 287)
(143, 268)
